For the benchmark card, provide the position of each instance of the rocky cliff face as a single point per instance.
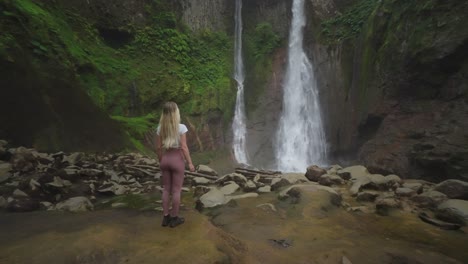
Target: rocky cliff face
(201, 15)
(396, 93)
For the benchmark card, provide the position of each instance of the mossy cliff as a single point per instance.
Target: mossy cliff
(397, 69)
(68, 65)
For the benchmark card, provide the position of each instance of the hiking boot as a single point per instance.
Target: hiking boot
(175, 221)
(166, 220)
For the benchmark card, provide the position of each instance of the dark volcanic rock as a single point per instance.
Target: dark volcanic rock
(314, 172)
(454, 189)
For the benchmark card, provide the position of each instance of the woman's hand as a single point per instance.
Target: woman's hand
(191, 167)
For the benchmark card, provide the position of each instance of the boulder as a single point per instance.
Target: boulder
(356, 172)
(91, 172)
(46, 206)
(416, 186)
(229, 188)
(20, 194)
(235, 177)
(453, 210)
(213, 198)
(200, 190)
(278, 183)
(430, 199)
(405, 192)
(23, 159)
(454, 189)
(250, 186)
(384, 182)
(73, 158)
(385, 204)
(264, 189)
(203, 169)
(329, 180)
(288, 179)
(367, 196)
(200, 181)
(314, 172)
(358, 184)
(295, 190)
(75, 204)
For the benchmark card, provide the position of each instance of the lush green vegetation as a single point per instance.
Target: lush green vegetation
(260, 41)
(350, 23)
(155, 63)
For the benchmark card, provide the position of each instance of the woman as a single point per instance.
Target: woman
(172, 150)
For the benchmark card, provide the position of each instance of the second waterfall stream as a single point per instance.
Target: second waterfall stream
(300, 138)
(239, 123)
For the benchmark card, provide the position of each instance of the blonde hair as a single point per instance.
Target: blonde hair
(169, 125)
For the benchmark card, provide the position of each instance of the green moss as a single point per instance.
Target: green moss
(260, 42)
(350, 23)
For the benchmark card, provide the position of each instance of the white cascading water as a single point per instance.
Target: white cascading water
(238, 125)
(301, 137)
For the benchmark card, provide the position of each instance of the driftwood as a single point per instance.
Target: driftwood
(149, 167)
(157, 169)
(149, 173)
(262, 172)
(201, 175)
(253, 174)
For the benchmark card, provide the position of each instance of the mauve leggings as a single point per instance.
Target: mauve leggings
(172, 168)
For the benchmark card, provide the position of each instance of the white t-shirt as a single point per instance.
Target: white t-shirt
(182, 130)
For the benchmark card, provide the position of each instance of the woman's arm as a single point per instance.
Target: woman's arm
(159, 147)
(183, 142)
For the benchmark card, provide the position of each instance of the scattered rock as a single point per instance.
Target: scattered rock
(229, 188)
(367, 196)
(314, 172)
(59, 183)
(454, 189)
(235, 177)
(454, 211)
(355, 171)
(213, 198)
(200, 181)
(91, 172)
(20, 194)
(75, 204)
(264, 189)
(73, 158)
(200, 190)
(34, 185)
(405, 192)
(278, 183)
(203, 169)
(430, 199)
(384, 205)
(329, 180)
(416, 186)
(23, 160)
(358, 184)
(250, 186)
(344, 175)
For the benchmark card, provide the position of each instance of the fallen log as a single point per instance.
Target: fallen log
(265, 172)
(201, 175)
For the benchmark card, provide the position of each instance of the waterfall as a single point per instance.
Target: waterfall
(238, 125)
(300, 135)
